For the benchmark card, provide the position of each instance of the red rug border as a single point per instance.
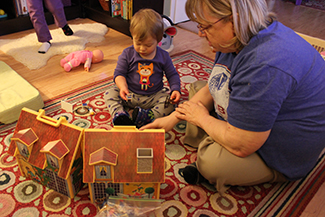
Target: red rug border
(301, 204)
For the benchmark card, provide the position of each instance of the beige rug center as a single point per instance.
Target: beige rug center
(25, 49)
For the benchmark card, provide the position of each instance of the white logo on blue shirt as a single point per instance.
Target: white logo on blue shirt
(219, 89)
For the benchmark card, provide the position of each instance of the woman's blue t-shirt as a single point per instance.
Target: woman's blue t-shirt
(277, 83)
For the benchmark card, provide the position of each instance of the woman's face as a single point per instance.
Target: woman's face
(217, 32)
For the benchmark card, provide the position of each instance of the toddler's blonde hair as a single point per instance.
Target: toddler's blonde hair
(147, 22)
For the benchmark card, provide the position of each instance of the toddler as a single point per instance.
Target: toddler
(139, 75)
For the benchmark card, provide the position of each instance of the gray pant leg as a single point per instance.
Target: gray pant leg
(159, 106)
(57, 9)
(36, 14)
(113, 100)
(155, 102)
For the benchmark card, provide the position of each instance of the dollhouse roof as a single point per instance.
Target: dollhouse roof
(56, 148)
(125, 144)
(103, 155)
(69, 134)
(26, 136)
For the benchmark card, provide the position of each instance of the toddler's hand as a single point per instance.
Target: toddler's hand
(175, 97)
(124, 93)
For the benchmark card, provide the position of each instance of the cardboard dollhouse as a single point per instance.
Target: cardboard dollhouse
(48, 151)
(122, 161)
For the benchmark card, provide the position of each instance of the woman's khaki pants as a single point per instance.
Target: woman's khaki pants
(222, 168)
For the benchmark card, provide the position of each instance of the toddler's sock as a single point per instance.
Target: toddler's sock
(45, 47)
(142, 116)
(122, 118)
(67, 30)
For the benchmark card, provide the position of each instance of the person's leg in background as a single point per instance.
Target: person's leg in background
(57, 10)
(37, 17)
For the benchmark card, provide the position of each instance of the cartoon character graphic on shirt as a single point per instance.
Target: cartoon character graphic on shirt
(145, 72)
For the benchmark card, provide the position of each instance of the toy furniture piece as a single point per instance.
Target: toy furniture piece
(317, 43)
(123, 162)
(323, 54)
(48, 151)
(16, 93)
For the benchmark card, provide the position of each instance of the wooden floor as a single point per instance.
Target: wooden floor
(52, 80)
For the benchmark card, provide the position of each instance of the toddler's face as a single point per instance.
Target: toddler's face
(146, 48)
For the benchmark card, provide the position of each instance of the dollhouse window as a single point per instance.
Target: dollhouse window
(52, 161)
(103, 172)
(22, 149)
(144, 160)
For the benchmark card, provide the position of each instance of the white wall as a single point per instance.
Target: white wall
(175, 9)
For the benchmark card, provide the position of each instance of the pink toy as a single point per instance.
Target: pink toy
(87, 57)
(323, 54)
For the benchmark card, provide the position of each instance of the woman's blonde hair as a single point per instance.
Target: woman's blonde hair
(147, 22)
(252, 16)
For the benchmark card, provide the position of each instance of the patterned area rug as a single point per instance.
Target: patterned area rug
(22, 197)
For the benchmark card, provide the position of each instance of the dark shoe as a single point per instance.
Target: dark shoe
(67, 30)
(122, 119)
(192, 176)
(142, 116)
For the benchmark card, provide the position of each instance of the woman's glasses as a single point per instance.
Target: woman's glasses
(202, 29)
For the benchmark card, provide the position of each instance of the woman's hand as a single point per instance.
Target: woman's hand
(192, 112)
(167, 123)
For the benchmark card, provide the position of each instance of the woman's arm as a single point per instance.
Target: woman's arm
(168, 122)
(237, 141)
